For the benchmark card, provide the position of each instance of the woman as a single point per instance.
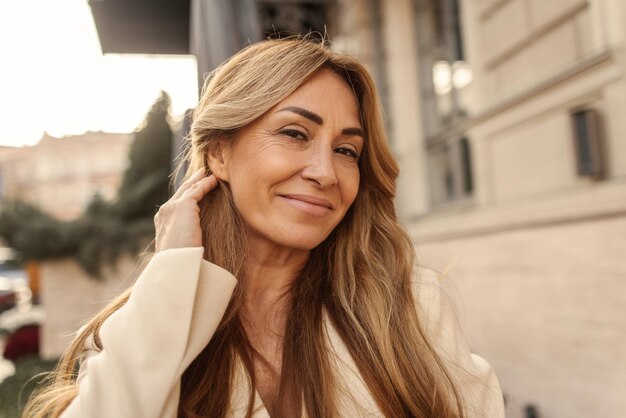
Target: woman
(309, 303)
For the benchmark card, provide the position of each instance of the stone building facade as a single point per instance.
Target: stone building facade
(61, 175)
(507, 119)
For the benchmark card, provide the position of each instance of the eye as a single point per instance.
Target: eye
(294, 133)
(347, 152)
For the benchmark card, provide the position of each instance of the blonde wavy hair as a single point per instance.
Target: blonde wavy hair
(360, 276)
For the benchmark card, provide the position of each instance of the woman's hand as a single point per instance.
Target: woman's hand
(178, 221)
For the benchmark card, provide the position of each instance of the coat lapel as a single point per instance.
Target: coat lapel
(241, 393)
(353, 396)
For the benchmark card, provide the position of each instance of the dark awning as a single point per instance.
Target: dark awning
(142, 26)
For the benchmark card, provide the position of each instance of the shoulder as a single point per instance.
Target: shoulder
(431, 301)
(425, 281)
(471, 373)
(436, 311)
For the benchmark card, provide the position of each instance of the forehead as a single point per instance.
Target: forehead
(328, 95)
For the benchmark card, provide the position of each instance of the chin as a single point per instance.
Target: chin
(301, 240)
(303, 243)
(289, 234)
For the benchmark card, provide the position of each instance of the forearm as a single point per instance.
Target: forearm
(172, 313)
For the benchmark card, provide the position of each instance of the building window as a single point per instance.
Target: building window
(449, 166)
(444, 74)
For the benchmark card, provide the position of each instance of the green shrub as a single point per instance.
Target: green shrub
(106, 229)
(15, 390)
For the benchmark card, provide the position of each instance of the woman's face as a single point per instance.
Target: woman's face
(294, 172)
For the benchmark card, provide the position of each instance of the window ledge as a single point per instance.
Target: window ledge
(585, 202)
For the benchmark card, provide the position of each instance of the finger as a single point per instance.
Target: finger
(198, 190)
(195, 177)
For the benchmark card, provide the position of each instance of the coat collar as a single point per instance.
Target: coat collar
(353, 397)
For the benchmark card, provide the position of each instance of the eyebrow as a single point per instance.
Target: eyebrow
(353, 132)
(314, 117)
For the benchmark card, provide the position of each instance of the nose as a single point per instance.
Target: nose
(320, 167)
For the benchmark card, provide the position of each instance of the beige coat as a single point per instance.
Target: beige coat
(173, 311)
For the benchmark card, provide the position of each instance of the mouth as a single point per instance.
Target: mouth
(311, 205)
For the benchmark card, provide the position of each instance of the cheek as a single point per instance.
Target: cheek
(351, 187)
(252, 183)
(244, 189)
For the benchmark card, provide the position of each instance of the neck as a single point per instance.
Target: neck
(270, 271)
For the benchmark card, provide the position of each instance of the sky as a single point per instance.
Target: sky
(54, 77)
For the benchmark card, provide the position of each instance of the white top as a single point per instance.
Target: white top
(171, 315)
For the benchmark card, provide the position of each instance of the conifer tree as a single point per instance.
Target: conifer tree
(105, 230)
(146, 181)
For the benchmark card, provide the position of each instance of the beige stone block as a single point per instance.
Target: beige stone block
(587, 200)
(554, 50)
(546, 307)
(512, 76)
(489, 92)
(609, 16)
(532, 159)
(614, 124)
(543, 58)
(412, 197)
(543, 12)
(585, 35)
(507, 26)
(486, 6)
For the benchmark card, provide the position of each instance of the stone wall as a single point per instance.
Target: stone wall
(535, 257)
(70, 298)
(546, 306)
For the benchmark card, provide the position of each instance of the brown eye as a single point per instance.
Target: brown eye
(294, 133)
(348, 152)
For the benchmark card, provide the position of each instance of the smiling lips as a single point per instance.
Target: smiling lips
(312, 205)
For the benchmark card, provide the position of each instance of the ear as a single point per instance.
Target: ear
(217, 159)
